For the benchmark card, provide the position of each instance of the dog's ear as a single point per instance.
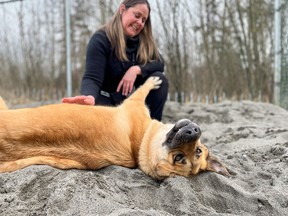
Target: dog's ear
(215, 165)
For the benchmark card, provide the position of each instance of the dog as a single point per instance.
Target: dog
(71, 136)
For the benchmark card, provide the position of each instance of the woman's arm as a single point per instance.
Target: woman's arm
(127, 82)
(96, 60)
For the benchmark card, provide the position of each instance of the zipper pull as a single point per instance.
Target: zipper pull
(133, 59)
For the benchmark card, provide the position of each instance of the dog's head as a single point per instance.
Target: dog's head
(187, 155)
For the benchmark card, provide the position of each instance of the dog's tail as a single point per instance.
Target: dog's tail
(3, 105)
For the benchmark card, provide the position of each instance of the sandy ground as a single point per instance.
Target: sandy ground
(250, 138)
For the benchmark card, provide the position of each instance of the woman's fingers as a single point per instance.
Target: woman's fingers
(90, 100)
(81, 99)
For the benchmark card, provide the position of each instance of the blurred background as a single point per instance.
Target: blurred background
(213, 49)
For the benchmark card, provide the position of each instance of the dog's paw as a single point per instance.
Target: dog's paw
(155, 81)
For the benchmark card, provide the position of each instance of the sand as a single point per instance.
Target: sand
(250, 138)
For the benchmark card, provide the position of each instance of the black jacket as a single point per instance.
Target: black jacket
(104, 71)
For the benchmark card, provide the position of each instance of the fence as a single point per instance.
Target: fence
(209, 99)
(17, 97)
(284, 56)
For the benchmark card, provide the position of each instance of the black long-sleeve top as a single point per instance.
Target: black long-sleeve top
(104, 71)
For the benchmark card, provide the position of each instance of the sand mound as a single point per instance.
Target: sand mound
(251, 138)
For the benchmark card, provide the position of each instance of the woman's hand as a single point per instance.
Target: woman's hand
(128, 80)
(82, 99)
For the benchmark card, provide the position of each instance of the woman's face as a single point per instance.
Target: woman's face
(134, 18)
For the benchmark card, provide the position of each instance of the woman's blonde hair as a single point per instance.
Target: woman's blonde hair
(147, 50)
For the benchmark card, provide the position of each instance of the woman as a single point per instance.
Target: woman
(120, 57)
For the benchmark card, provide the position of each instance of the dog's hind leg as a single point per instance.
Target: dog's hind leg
(142, 92)
(56, 162)
(3, 105)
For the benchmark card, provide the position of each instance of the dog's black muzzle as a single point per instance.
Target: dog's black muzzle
(183, 132)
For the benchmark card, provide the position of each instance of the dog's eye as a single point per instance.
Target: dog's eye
(198, 151)
(179, 158)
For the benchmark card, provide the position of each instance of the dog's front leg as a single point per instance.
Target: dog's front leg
(142, 92)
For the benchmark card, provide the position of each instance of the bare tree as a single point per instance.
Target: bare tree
(175, 41)
(210, 47)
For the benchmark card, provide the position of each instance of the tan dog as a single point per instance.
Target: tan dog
(68, 136)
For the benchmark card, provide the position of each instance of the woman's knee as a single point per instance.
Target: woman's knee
(157, 98)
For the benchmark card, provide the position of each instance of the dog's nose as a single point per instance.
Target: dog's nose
(184, 132)
(192, 130)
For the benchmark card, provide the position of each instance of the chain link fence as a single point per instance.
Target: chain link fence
(284, 55)
(8, 12)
